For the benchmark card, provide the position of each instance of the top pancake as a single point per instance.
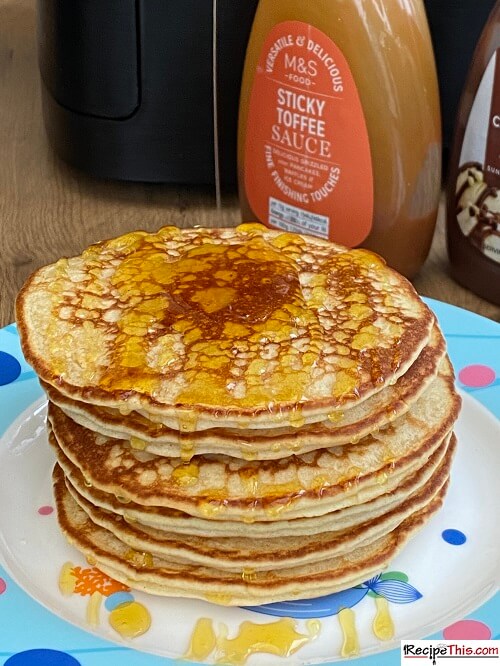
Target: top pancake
(203, 328)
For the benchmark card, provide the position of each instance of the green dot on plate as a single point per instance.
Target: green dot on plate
(394, 575)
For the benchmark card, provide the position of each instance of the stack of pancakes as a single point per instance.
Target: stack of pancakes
(239, 415)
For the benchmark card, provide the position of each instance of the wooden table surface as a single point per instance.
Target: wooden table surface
(49, 210)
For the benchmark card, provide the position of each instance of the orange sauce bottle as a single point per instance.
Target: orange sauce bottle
(339, 125)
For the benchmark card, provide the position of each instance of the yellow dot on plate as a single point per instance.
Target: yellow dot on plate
(130, 619)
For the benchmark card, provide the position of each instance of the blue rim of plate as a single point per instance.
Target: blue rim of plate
(473, 346)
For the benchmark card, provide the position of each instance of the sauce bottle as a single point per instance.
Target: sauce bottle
(473, 220)
(339, 125)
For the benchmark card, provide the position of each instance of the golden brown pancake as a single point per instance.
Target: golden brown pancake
(171, 520)
(172, 578)
(225, 488)
(267, 553)
(202, 328)
(346, 427)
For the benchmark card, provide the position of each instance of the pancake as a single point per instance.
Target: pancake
(172, 578)
(350, 426)
(239, 415)
(270, 552)
(164, 519)
(225, 488)
(202, 328)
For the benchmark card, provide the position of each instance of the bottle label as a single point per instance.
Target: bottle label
(477, 193)
(307, 161)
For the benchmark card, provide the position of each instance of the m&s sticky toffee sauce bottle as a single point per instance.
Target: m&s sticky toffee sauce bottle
(339, 125)
(473, 216)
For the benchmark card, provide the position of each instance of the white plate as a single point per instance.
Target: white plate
(453, 580)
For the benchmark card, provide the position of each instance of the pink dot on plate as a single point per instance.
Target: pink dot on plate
(467, 630)
(45, 510)
(477, 376)
(3, 586)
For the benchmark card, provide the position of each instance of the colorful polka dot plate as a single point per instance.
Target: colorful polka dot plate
(56, 609)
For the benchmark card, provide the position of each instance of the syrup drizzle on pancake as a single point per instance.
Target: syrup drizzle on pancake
(246, 322)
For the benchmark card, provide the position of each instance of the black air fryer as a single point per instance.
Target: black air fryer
(127, 85)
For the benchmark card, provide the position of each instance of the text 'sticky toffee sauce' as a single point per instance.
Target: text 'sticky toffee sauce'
(339, 129)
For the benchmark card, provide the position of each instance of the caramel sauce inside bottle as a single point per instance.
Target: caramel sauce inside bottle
(388, 49)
